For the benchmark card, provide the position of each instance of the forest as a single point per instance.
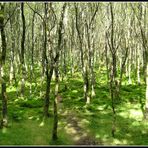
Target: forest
(73, 73)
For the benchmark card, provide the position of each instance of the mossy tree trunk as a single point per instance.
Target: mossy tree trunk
(55, 109)
(13, 42)
(56, 68)
(45, 63)
(4, 121)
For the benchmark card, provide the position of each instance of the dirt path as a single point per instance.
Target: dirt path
(80, 135)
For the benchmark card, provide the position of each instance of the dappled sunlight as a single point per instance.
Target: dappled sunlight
(124, 114)
(37, 119)
(4, 130)
(74, 73)
(42, 124)
(118, 142)
(30, 117)
(101, 108)
(136, 114)
(76, 138)
(11, 89)
(83, 122)
(22, 98)
(70, 130)
(16, 100)
(79, 121)
(65, 112)
(74, 91)
(87, 112)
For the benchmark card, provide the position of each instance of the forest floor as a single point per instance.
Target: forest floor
(79, 135)
(79, 124)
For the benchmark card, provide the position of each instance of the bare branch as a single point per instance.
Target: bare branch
(10, 16)
(36, 12)
(93, 16)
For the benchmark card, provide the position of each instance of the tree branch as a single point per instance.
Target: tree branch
(36, 12)
(10, 16)
(93, 16)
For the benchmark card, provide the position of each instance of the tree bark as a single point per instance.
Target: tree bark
(56, 68)
(4, 121)
(23, 51)
(53, 59)
(32, 53)
(55, 121)
(12, 71)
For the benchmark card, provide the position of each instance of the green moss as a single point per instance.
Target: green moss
(31, 103)
(26, 114)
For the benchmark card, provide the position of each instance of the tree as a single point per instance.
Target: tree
(23, 51)
(86, 45)
(56, 60)
(4, 121)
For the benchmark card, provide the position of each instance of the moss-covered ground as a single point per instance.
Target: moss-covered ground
(78, 123)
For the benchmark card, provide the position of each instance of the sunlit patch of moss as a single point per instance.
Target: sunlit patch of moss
(11, 89)
(136, 114)
(124, 114)
(120, 142)
(25, 115)
(42, 124)
(74, 91)
(31, 117)
(4, 130)
(83, 122)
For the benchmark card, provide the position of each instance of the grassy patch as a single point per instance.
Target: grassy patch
(26, 114)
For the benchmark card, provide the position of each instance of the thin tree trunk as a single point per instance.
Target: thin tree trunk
(129, 68)
(48, 79)
(23, 51)
(55, 121)
(56, 62)
(138, 65)
(32, 53)
(12, 72)
(4, 121)
(146, 103)
(53, 60)
(106, 58)
(113, 73)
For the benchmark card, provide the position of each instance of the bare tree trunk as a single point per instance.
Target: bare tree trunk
(138, 65)
(85, 84)
(23, 51)
(56, 60)
(32, 53)
(113, 73)
(146, 103)
(121, 72)
(106, 58)
(55, 121)
(53, 60)
(129, 67)
(65, 65)
(12, 72)
(45, 59)
(4, 121)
